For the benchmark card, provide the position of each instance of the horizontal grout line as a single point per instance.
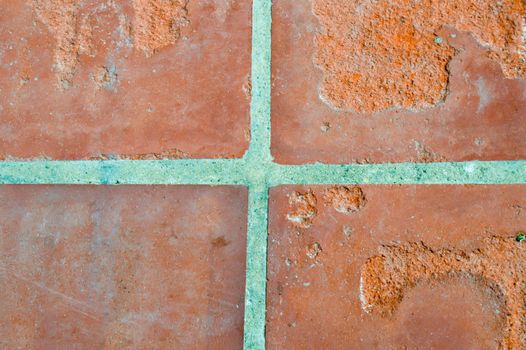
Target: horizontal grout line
(180, 172)
(474, 172)
(250, 172)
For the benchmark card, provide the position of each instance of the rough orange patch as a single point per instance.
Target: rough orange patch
(498, 265)
(156, 24)
(382, 54)
(313, 250)
(60, 17)
(303, 209)
(345, 199)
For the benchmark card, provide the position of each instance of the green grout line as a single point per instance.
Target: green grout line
(259, 149)
(476, 172)
(257, 171)
(248, 173)
(256, 273)
(258, 163)
(196, 171)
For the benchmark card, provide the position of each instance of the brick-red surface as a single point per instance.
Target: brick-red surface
(121, 88)
(482, 117)
(147, 267)
(314, 273)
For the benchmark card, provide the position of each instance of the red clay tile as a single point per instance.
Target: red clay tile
(410, 267)
(381, 81)
(146, 267)
(141, 79)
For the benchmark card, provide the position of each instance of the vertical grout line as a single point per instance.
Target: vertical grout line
(256, 273)
(259, 149)
(258, 158)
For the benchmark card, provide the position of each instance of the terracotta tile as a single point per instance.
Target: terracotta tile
(144, 267)
(397, 267)
(140, 79)
(390, 82)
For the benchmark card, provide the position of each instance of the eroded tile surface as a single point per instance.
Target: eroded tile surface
(147, 267)
(397, 267)
(383, 81)
(141, 79)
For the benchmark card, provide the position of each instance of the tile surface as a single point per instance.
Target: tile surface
(142, 267)
(145, 267)
(396, 267)
(335, 97)
(142, 79)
